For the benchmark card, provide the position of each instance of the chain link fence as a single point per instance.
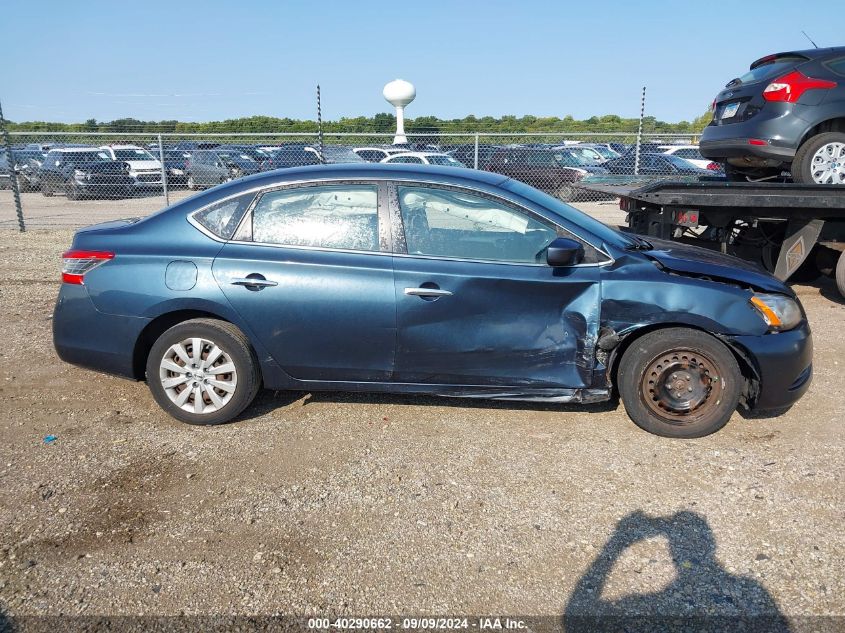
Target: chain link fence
(74, 179)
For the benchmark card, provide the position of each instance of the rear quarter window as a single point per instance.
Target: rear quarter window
(837, 66)
(222, 218)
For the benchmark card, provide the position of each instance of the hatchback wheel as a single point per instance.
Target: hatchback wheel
(679, 382)
(46, 189)
(203, 371)
(565, 193)
(840, 274)
(821, 160)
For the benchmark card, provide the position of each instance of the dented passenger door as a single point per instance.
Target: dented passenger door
(477, 304)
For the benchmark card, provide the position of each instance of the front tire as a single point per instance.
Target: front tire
(840, 274)
(565, 193)
(821, 160)
(203, 371)
(679, 383)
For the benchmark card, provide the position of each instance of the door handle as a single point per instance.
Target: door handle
(255, 282)
(427, 292)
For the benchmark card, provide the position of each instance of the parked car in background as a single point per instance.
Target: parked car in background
(175, 164)
(466, 154)
(654, 164)
(257, 154)
(29, 165)
(424, 158)
(495, 290)
(335, 154)
(22, 170)
(377, 154)
(604, 150)
(786, 113)
(144, 168)
(540, 168)
(571, 156)
(84, 172)
(691, 153)
(291, 155)
(210, 167)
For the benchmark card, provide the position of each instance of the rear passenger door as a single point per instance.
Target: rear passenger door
(310, 272)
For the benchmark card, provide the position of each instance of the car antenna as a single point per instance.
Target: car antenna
(810, 38)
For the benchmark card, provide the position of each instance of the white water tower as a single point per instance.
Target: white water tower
(399, 93)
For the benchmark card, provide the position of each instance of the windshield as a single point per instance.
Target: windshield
(601, 230)
(677, 161)
(340, 155)
(234, 157)
(132, 154)
(446, 161)
(605, 152)
(83, 157)
(568, 158)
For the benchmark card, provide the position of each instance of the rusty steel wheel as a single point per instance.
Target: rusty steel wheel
(681, 385)
(679, 382)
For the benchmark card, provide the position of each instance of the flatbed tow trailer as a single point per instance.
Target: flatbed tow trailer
(792, 230)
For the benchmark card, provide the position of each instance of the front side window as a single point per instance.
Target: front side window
(462, 225)
(222, 218)
(332, 216)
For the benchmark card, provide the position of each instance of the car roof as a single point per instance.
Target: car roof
(810, 53)
(420, 154)
(68, 150)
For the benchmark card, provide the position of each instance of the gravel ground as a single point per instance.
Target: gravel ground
(354, 504)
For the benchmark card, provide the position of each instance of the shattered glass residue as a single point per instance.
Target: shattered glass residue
(343, 216)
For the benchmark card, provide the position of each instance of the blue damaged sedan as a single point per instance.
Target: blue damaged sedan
(417, 279)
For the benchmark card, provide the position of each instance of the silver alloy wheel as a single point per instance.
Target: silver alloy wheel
(828, 164)
(198, 376)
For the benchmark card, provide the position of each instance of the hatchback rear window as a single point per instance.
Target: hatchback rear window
(771, 67)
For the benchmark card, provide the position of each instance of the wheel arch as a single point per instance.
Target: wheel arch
(750, 373)
(155, 328)
(835, 124)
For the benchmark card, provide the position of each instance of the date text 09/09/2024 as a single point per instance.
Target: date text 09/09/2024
(491, 623)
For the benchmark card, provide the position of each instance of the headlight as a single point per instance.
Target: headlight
(778, 311)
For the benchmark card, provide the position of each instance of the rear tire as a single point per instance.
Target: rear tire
(679, 382)
(46, 189)
(72, 191)
(804, 170)
(213, 362)
(840, 274)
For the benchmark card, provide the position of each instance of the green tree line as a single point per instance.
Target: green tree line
(382, 122)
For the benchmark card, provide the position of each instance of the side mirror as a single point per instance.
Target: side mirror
(564, 251)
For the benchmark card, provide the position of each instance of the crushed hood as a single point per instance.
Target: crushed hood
(701, 262)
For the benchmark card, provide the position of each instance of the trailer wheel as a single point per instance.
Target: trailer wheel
(840, 274)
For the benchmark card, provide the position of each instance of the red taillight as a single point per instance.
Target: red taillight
(75, 264)
(791, 86)
(714, 167)
(757, 141)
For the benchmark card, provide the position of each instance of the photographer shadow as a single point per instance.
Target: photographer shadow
(703, 596)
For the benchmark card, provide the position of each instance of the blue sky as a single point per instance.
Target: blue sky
(200, 61)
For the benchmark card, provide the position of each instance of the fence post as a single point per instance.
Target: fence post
(13, 179)
(163, 172)
(639, 135)
(475, 155)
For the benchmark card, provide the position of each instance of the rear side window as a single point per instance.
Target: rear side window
(837, 65)
(335, 216)
(222, 218)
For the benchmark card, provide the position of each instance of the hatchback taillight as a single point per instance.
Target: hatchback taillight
(714, 166)
(791, 86)
(75, 264)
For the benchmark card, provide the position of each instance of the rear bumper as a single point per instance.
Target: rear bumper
(84, 336)
(781, 125)
(784, 363)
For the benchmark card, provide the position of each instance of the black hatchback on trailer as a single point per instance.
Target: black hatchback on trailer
(786, 112)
